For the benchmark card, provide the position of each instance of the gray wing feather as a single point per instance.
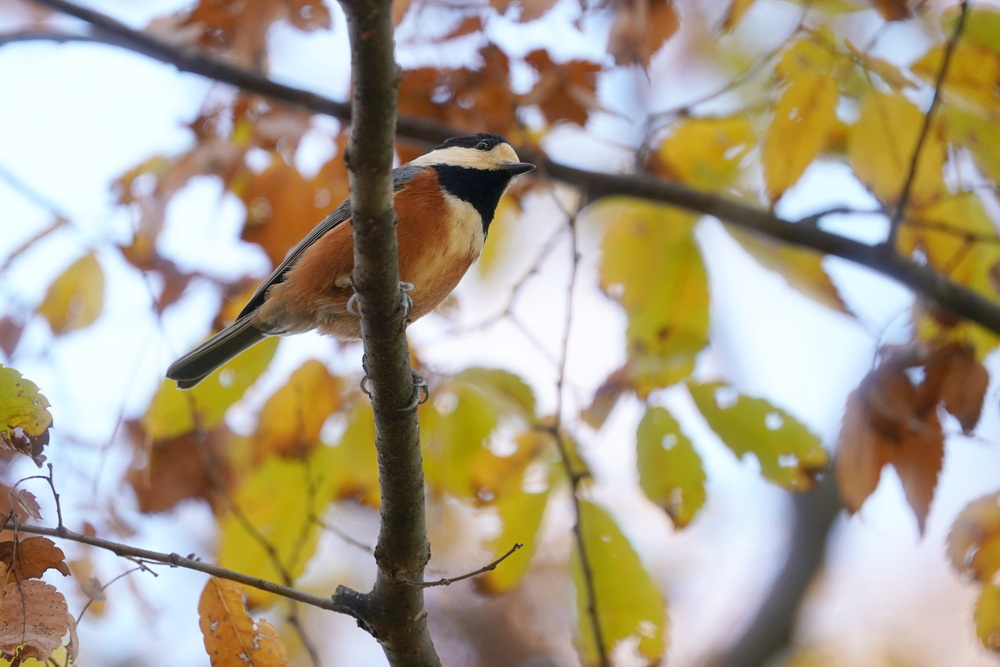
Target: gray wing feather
(400, 177)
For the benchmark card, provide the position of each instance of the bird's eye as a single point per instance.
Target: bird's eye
(483, 145)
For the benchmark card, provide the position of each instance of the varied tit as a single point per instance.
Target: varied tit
(444, 200)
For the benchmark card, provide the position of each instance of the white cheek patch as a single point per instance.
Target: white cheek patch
(465, 228)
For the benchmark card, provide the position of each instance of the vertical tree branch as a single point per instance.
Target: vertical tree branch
(394, 610)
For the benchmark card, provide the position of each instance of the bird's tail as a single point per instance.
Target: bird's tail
(200, 362)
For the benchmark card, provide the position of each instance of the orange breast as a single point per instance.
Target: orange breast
(437, 245)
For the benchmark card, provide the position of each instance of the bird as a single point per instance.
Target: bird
(445, 201)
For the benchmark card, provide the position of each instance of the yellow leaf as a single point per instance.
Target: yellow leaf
(804, 118)
(25, 419)
(520, 518)
(652, 266)
(706, 152)
(881, 144)
(987, 617)
(173, 412)
(982, 26)
(789, 454)
(626, 600)
(231, 636)
(807, 56)
(803, 270)
(974, 540)
(507, 215)
(977, 133)
(279, 500)
(885, 70)
(291, 419)
(972, 75)
(353, 467)
(670, 470)
(75, 299)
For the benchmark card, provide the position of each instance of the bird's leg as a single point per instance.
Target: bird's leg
(364, 379)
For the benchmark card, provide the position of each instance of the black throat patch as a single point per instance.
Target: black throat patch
(480, 187)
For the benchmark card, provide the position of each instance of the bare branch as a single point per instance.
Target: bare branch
(342, 602)
(468, 575)
(911, 174)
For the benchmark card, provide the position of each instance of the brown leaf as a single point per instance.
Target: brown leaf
(93, 589)
(31, 557)
(175, 469)
(231, 636)
(10, 334)
(893, 10)
(563, 92)
(26, 504)
(861, 451)
(963, 389)
(640, 29)
(529, 9)
(33, 620)
(917, 460)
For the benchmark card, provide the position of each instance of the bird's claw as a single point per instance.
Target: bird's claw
(420, 392)
(353, 306)
(404, 297)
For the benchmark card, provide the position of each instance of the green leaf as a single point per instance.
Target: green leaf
(789, 454)
(280, 500)
(520, 519)
(626, 601)
(174, 412)
(670, 470)
(25, 419)
(652, 266)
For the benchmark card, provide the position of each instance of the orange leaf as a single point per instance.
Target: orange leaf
(917, 460)
(956, 378)
(231, 636)
(974, 540)
(31, 557)
(291, 419)
(563, 92)
(640, 29)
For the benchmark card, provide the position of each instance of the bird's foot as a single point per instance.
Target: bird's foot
(420, 391)
(404, 298)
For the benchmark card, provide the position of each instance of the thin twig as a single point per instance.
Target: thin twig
(191, 563)
(475, 573)
(138, 568)
(911, 174)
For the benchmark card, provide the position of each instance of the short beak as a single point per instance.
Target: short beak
(516, 168)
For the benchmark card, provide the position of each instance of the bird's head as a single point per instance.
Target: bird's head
(483, 151)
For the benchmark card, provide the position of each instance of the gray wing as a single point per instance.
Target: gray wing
(400, 177)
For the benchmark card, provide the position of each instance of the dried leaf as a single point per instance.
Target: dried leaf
(893, 10)
(29, 558)
(563, 92)
(26, 504)
(640, 29)
(74, 299)
(529, 10)
(231, 636)
(33, 620)
(24, 416)
(93, 589)
(956, 378)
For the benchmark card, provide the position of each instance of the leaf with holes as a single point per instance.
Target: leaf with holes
(231, 636)
(804, 118)
(25, 419)
(670, 470)
(789, 454)
(627, 603)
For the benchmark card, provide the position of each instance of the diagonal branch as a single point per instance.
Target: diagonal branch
(911, 174)
(921, 279)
